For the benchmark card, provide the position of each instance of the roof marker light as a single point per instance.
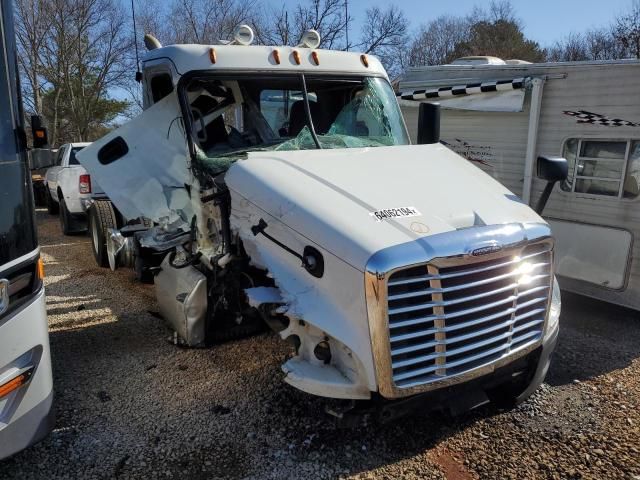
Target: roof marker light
(364, 60)
(310, 39)
(276, 57)
(296, 57)
(212, 55)
(314, 56)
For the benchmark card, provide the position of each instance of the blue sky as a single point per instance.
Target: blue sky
(545, 21)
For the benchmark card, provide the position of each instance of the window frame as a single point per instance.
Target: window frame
(625, 165)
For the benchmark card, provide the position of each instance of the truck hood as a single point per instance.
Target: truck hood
(355, 202)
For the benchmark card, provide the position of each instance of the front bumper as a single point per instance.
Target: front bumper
(457, 398)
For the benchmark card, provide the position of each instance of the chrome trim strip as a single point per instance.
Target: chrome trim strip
(446, 249)
(23, 259)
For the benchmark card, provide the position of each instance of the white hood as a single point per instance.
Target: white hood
(329, 196)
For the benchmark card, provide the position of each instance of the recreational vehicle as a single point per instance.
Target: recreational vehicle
(26, 384)
(501, 115)
(281, 188)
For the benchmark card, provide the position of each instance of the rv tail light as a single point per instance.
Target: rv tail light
(314, 56)
(276, 57)
(212, 55)
(84, 184)
(296, 57)
(15, 383)
(364, 60)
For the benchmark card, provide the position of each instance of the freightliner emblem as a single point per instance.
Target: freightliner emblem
(486, 250)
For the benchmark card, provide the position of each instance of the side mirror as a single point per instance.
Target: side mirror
(429, 123)
(39, 132)
(552, 170)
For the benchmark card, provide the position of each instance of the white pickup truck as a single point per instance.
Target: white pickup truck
(68, 189)
(284, 189)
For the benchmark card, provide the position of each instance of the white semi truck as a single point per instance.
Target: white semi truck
(283, 189)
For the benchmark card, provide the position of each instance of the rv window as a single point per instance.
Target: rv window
(632, 182)
(602, 167)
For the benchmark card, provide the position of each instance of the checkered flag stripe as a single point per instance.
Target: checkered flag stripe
(469, 89)
(596, 119)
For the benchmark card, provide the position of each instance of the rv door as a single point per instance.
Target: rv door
(143, 165)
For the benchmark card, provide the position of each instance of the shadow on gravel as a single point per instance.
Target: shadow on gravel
(595, 338)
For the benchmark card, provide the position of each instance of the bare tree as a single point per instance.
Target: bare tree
(384, 34)
(286, 26)
(74, 53)
(627, 29)
(435, 42)
(204, 21)
(594, 44)
(573, 48)
(33, 25)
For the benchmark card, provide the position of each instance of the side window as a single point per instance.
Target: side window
(603, 167)
(161, 86)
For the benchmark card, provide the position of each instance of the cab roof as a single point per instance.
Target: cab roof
(190, 57)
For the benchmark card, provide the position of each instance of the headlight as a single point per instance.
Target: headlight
(554, 310)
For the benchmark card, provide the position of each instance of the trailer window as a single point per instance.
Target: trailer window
(603, 167)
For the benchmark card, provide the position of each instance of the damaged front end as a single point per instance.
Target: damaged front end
(263, 191)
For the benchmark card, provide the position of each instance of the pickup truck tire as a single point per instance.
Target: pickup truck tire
(52, 205)
(102, 217)
(66, 221)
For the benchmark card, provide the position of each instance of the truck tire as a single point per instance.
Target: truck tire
(66, 222)
(52, 205)
(102, 217)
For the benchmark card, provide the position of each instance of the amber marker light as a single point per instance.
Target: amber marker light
(276, 57)
(314, 56)
(296, 57)
(212, 55)
(40, 269)
(15, 383)
(364, 60)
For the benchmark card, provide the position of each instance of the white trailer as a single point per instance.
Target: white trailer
(502, 116)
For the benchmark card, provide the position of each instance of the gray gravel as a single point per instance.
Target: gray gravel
(131, 405)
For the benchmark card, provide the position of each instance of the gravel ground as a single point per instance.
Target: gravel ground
(131, 405)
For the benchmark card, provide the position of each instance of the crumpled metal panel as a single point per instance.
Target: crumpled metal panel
(182, 300)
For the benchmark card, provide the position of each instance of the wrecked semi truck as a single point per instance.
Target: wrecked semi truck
(283, 189)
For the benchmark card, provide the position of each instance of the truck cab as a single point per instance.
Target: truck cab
(284, 191)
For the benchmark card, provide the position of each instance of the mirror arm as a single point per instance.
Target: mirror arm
(544, 197)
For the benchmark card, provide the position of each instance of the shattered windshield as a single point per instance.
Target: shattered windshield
(233, 116)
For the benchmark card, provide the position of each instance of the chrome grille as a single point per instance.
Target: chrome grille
(452, 316)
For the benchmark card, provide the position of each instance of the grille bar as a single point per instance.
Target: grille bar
(461, 313)
(449, 317)
(426, 278)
